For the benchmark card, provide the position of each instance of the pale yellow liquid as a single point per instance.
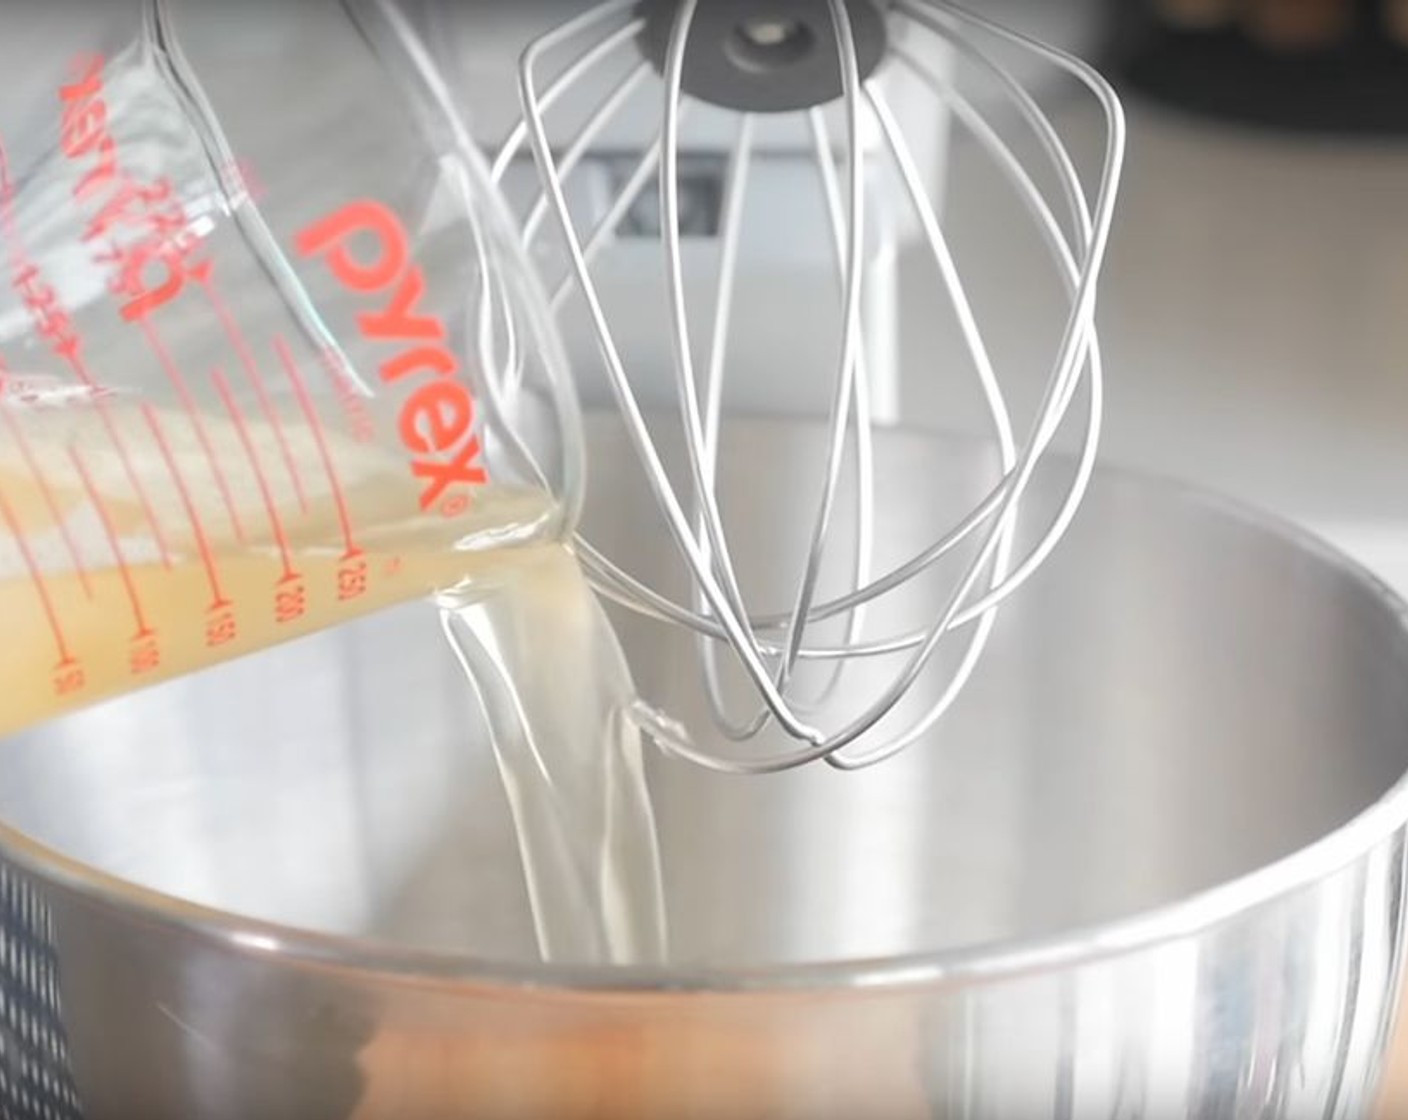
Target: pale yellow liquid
(110, 654)
(557, 691)
(536, 646)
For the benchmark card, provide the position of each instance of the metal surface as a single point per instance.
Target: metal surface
(858, 143)
(1153, 867)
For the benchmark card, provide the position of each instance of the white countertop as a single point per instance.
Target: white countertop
(1254, 318)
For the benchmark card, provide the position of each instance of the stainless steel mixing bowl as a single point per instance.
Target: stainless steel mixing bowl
(1153, 866)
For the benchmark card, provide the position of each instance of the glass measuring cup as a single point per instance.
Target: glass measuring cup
(269, 353)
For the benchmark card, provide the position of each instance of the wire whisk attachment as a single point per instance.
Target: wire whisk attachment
(817, 77)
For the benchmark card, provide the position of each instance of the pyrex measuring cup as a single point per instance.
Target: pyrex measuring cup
(269, 354)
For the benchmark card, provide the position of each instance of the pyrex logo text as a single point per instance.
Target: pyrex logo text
(437, 418)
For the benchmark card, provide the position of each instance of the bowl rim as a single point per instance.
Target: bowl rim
(988, 962)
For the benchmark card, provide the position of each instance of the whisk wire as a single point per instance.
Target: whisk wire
(1072, 352)
(850, 333)
(863, 556)
(741, 731)
(586, 137)
(733, 729)
(1075, 350)
(605, 230)
(636, 427)
(592, 57)
(771, 647)
(714, 547)
(996, 405)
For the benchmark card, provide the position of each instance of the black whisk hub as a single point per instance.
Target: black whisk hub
(765, 56)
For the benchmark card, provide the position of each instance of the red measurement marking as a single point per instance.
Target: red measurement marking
(71, 354)
(109, 531)
(69, 679)
(24, 272)
(149, 209)
(145, 656)
(7, 212)
(50, 501)
(241, 344)
(207, 557)
(359, 422)
(50, 320)
(305, 402)
(291, 605)
(352, 581)
(222, 629)
(242, 429)
(183, 392)
(133, 480)
(36, 579)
